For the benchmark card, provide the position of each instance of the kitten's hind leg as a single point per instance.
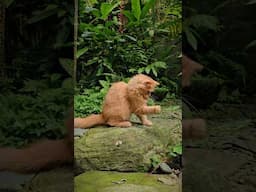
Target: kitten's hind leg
(144, 120)
(120, 123)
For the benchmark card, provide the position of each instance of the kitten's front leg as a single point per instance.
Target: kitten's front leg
(144, 120)
(148, 110)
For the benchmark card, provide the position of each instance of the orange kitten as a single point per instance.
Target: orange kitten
(121, 101)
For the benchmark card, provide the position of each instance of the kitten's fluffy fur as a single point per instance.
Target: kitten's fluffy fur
(121, 101)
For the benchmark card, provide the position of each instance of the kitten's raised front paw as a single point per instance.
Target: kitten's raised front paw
(147, 123)
(157, 109)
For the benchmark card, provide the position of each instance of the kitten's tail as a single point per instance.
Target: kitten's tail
(89, 121)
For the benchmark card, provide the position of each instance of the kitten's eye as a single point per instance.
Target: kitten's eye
(147, 82)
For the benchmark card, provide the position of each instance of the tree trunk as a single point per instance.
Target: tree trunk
(2, 36)
(75, 40)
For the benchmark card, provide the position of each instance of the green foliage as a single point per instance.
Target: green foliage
(88, 103)
(148, 45)
(136, 10)
(139, 11)
(106, 9)
(90, 100)
(229, 96)
(154, 67)
(251, 44)
(155, 160)
(37, 110)
(7, 3)
(175, 150)
(251, 2)
(196, 24)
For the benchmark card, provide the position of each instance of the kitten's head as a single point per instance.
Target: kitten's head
(143, 83)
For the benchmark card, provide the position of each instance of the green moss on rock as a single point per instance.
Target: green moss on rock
(136, 182)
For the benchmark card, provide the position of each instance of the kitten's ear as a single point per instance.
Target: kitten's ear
(150, 83)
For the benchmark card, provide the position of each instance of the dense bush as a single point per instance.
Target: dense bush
(150, 43)
(38, 110)
(223, 41)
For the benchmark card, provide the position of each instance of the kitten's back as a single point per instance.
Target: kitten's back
(116, 103)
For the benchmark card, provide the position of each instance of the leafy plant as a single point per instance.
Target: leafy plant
(138, 11)
(195, 24)
(90, 100)
(175, 150)
(154, 67)
(105, 54)
(155, 161)
(38, 110)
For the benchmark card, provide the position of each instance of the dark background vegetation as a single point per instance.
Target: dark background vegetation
(36, 84)
(221, 36)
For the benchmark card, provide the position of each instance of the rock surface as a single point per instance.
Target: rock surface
(10, 181)
(128, 149)
(226, 159)
(165, 168)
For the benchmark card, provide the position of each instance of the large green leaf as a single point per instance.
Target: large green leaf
(251, 44)
(106, 9)
(159, 64)
(67, 64)
(191, 39)
(136, 9)
(205, 21)
(129, 15)
(148, 5)
(7, 3)
(251, 2)
(82, 51)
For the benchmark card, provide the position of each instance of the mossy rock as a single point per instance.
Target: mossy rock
(128, 149)
(133, 182)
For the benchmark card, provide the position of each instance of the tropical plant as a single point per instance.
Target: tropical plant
(146, 45)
